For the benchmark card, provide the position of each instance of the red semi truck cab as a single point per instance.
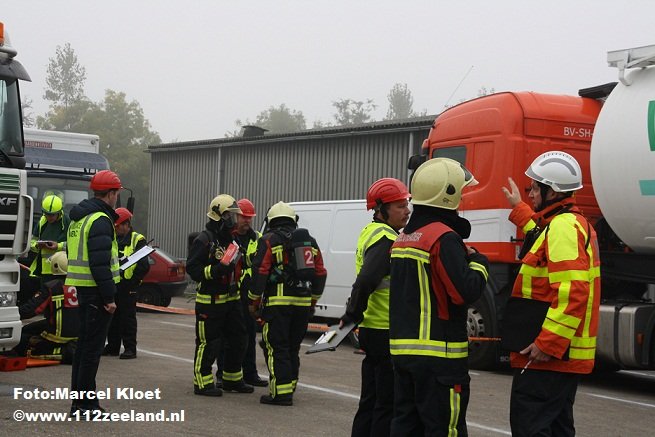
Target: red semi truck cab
(497, 137)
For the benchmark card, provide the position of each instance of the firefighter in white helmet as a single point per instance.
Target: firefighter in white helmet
(560, 273)
(434, 276)
(216, 265)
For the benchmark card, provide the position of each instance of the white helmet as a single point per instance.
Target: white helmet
(558, 170)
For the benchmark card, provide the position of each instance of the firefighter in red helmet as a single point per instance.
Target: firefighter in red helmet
(123, 325)
(368, 305)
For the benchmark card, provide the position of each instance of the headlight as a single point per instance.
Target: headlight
(7, 299)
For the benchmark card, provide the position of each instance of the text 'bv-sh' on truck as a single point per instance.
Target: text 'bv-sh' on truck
(610, 130)
(15, 205)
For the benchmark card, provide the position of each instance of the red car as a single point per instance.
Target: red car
(165, 279)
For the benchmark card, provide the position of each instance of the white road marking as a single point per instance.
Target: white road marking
(626, 401)
(321, 389)
(186, 325)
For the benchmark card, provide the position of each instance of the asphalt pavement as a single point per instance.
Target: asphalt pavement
(158, 385)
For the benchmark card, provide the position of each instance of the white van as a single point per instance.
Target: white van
(336, 226)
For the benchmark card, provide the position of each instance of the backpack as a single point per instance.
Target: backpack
(301, 255)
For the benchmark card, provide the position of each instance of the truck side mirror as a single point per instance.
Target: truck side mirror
(130, 204)
(415, 161)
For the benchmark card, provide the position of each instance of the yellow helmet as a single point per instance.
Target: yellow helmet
(59, 263)
(221, 204)
(52, 204)
(281, 209)
(439, 182)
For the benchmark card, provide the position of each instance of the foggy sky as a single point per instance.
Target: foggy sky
(196, 66)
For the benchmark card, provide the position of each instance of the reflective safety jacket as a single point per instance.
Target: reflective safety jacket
(248, 247)
(563, 268)
(376, 315)
(58, 304)
(79, 269)
(45, 231)
(127, 246)
(432, 281)
(270, 266)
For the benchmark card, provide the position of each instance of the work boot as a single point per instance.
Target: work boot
(210, 390)
(107, 351)
(237, 387)
(128, 355)
(256, 381)
(283, 400)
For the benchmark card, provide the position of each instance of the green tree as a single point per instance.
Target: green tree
(125, 134)
(274, 120)
(65, 79)
(351, 112)
(401, 102)
(281, 119)
(28, 113)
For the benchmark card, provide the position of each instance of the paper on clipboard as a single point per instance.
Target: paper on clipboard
(331, 339)
(135, 257)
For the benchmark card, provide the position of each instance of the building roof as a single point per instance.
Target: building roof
(403, 125)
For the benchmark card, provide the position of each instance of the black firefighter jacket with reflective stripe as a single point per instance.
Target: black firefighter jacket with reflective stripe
(217, 283)
(59, 306)
(270, 266)
(432, 281)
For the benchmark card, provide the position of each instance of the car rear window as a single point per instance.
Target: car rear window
(166, 256)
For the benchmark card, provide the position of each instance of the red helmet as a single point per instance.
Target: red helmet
(386, 190)
(105, 180)
(246, 207)
(123, 215)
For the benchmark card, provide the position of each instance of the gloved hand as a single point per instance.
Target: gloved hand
(220, 269)
(312, 309)
(254, 309)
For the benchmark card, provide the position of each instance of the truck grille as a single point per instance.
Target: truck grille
(10, 182)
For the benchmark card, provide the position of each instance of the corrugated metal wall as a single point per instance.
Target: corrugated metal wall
(298, 169)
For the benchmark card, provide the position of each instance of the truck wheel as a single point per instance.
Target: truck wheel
(482, 354)
(149, 295)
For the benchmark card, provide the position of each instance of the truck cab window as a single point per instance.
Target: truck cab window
(458, 153)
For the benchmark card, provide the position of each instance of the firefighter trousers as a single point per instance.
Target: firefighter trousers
(373, 417)
(426, 400)
(283, 332)
(542, 403)
(214, 322)
(123, 325)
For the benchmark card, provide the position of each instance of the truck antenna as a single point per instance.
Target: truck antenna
(457, 87)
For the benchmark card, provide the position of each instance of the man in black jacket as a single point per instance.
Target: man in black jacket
(93, 270)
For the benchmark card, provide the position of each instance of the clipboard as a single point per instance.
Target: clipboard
(522, 322)
(331, 339)
(135, 257)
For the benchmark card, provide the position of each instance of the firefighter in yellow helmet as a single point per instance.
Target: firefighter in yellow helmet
(216, 264)
(55, 336)
(288, 277)
(48, 236)
(434, 276)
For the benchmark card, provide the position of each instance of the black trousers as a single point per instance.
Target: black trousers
(30, 330)
(213, 322)
(542, 403)
(123, 325)
(426, 401)
(249, 363)
(94, 323)
(373, 417)
(284, 330)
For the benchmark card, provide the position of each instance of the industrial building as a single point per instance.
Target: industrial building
(333, 163)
